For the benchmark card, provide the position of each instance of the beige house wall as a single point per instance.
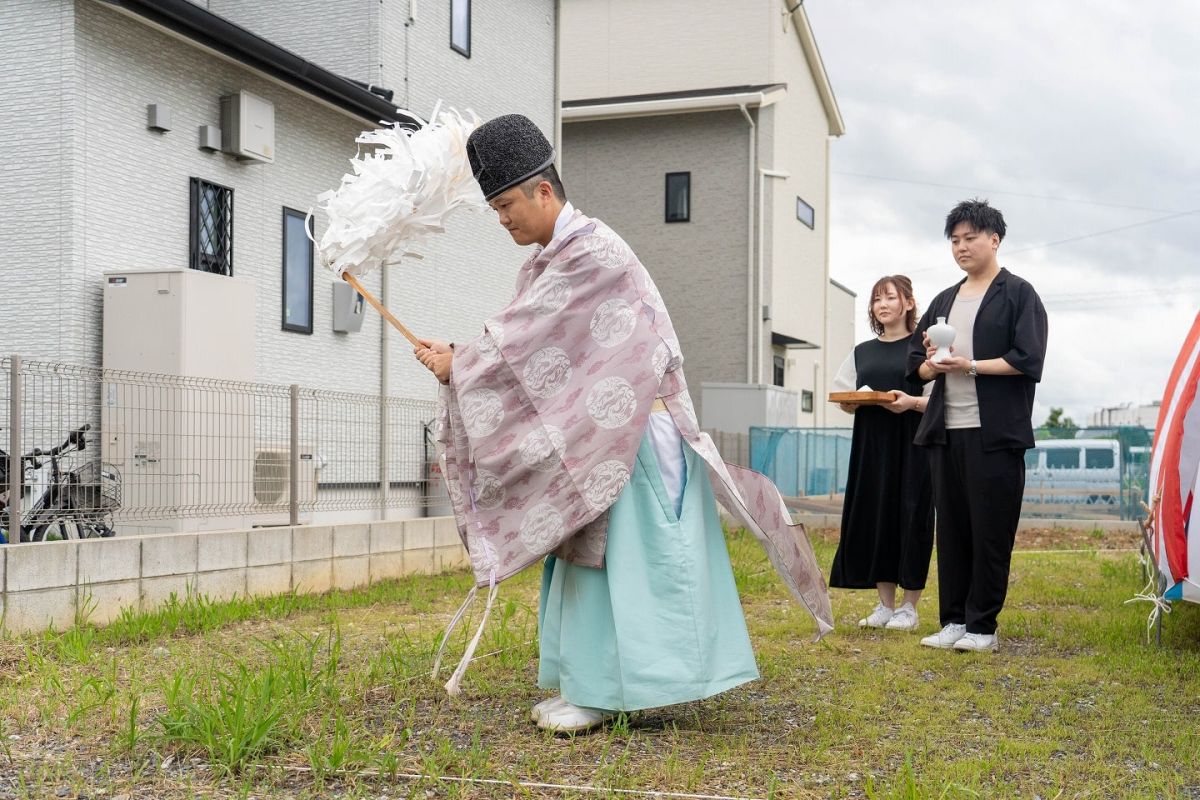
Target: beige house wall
(617, 48)
(614, 48)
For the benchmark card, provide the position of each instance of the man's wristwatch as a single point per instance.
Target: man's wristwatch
(972, 371)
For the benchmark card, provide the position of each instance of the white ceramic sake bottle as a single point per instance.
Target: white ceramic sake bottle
(941, 336)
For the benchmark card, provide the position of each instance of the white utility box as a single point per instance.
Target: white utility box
(248, 127)
(203, 454)
(179, 322)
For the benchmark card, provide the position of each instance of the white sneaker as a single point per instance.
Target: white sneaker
(904, 619)
(569, 718)
(541, 708)
(978, 643)
(946, 637)
(879, 617)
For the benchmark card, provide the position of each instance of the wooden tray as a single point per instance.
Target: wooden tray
(862, 398)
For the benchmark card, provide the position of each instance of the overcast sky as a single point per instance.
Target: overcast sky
(1080, 121)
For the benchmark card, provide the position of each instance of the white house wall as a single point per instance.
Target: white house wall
(799, 148)
(89, 188)
(38, 118)
(133, 207)
(614, 48)
(839, 339)
(469, 273)
(340, 35)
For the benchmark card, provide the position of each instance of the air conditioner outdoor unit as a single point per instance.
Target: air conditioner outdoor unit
(272, 483)
(248, 127)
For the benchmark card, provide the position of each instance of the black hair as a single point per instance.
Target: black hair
(550, 176)
(979, 215)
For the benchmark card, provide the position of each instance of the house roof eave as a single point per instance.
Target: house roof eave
(664, 103)
(215, 34)
(812, 54)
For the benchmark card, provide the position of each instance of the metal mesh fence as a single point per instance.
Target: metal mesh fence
(104, 450)
(1097, 474)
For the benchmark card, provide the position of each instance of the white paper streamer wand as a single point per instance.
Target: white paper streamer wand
(399, 191)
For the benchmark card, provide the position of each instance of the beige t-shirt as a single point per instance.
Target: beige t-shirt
(962, 401)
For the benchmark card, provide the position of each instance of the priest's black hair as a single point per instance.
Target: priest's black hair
(550, 176)
(979, 215)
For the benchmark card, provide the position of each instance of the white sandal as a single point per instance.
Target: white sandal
(570, 718)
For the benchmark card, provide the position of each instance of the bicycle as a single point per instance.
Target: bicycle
(75, 504)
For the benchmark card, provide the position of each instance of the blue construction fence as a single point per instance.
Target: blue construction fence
(1085, 473)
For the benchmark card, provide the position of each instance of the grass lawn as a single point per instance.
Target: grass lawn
(330, 697)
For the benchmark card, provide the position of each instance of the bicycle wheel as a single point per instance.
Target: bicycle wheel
(56, 530)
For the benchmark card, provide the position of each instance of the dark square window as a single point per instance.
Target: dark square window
(806, 400)
(1062, 459)
(805, 213)
(297, 272)
(778, 370)
(1095, 458)
(679, 196)
(460, 26)
(211, 227)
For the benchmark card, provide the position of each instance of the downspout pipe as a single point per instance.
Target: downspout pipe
(763, 174)
(385, 434)
(751, 306)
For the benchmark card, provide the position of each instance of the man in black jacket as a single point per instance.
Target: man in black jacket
(978, 424)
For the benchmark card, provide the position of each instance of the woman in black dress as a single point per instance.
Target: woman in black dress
(887, 518)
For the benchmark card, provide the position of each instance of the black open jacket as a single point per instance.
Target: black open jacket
(1011, 324)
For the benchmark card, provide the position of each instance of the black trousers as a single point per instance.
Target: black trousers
(977, 495)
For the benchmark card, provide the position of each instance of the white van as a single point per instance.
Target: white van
(1074, 471)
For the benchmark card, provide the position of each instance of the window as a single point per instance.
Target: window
(778, 370)
(1032, 458)
(1062, 459)
(805, 213)
(211, 228)
(806, 398)
(297, 273)
(1095, 458)
(679, 196)
(460, 26)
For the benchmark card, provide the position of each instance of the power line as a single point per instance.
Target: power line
(891, 179)
(1079, 238)
(1145, 222)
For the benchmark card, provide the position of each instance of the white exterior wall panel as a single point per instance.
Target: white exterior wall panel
(89, 188)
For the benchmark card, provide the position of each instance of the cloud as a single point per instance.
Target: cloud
(1037, 106)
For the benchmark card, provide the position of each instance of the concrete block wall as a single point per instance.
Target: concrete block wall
(55, 583)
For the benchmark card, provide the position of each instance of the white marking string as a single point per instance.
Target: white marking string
(412, 776)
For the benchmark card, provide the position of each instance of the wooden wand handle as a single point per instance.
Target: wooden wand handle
(358, 287)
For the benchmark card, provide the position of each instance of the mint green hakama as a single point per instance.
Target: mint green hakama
(661, 622)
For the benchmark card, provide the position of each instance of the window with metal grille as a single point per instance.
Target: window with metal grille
(297, 272)
(806, 401)
(211, 227)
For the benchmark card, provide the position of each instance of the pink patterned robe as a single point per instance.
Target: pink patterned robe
(540, 424)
